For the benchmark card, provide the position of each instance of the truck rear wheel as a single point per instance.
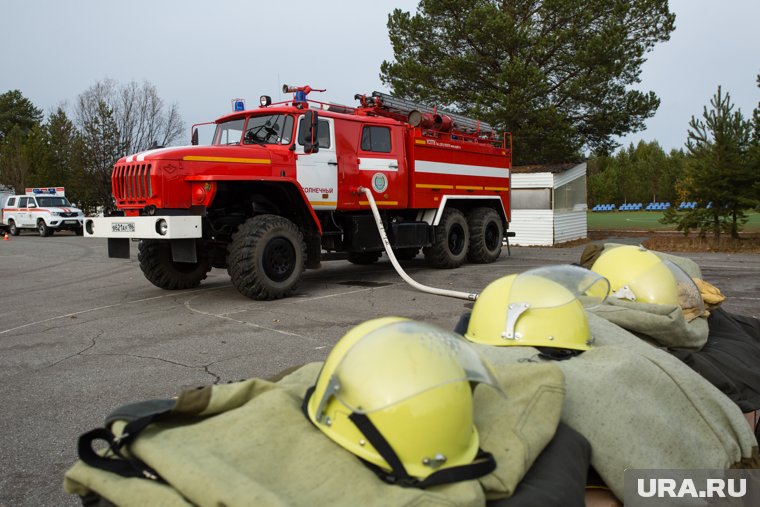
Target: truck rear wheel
(486, 235)
(451, 240)
(266, 257)
(155, 257)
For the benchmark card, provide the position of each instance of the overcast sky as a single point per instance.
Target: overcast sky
(201, 54)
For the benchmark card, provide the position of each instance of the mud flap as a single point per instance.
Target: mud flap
(118, 248)
(183, 250)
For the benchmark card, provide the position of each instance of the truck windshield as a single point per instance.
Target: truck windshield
(269, 129)
(53, 202)
(229, 132)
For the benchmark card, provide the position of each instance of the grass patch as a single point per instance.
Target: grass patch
(681, 243)
(666, 238)
(647, 221)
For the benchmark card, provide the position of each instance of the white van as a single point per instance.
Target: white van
(45, 209)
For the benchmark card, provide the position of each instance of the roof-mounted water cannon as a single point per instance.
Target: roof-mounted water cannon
(300, 93)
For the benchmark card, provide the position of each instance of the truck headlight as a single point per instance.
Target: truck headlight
(162, 227)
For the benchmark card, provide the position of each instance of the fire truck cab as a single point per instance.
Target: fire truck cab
(282, 184)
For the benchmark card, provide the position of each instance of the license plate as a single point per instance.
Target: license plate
(69, 222)
(123, 227)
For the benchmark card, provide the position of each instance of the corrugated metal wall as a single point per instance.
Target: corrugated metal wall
(547, 227)
(569, 225)
(532, 227)
(532, 180)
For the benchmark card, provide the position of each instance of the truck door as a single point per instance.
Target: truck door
(318, 172)
(23, 215)
(382, 166)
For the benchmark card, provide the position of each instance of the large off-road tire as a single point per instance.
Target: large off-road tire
(363, 258)
(451, 240)
(155, 257)
(14, 230)
(266, 257)
(486, 235)
(43, 229)
(405, 254)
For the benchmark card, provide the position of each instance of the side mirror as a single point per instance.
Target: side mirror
(31, 205)
(311, 135)
(194, 138)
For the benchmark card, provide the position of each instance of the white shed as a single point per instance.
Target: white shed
(548, 204)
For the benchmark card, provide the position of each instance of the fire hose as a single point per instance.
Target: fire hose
(389, 251)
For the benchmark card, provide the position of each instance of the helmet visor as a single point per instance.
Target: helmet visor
(689, 298)
(401, 360)
(664, 283)
(530, 288)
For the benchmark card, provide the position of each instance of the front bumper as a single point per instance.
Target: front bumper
(66, 223)
(145, 227)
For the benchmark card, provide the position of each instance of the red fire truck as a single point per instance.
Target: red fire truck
(284, 183)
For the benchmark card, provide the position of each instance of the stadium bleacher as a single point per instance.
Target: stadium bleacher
(652, 206)
(657, 206)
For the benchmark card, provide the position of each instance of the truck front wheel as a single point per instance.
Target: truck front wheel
(155, 257)
(266, 257)
(486, 235)
(451, 240)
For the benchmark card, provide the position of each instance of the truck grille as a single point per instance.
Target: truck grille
(131, 182)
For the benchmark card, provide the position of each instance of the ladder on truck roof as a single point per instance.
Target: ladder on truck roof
(420, 114)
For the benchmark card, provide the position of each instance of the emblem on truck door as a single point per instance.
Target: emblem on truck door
(379, 182)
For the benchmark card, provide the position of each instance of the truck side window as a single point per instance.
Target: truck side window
(11, 202)
(376, 139)
(22, 202)
(324, 133)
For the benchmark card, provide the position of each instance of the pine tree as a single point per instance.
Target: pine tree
(640, 173)
(102, 149)
(718, 170)
(553, 72)
(17, 110)
(66, 157)
(18, 116)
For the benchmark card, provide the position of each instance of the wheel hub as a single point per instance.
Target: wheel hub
(456, 239)
(279, 259)
(492, 238)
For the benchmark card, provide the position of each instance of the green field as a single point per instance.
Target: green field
(646, 221)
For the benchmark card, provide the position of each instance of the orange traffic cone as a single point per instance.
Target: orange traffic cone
(6, 237)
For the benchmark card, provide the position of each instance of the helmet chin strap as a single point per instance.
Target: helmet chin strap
(483, 464)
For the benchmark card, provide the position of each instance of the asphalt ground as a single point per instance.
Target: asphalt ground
(81, 334)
